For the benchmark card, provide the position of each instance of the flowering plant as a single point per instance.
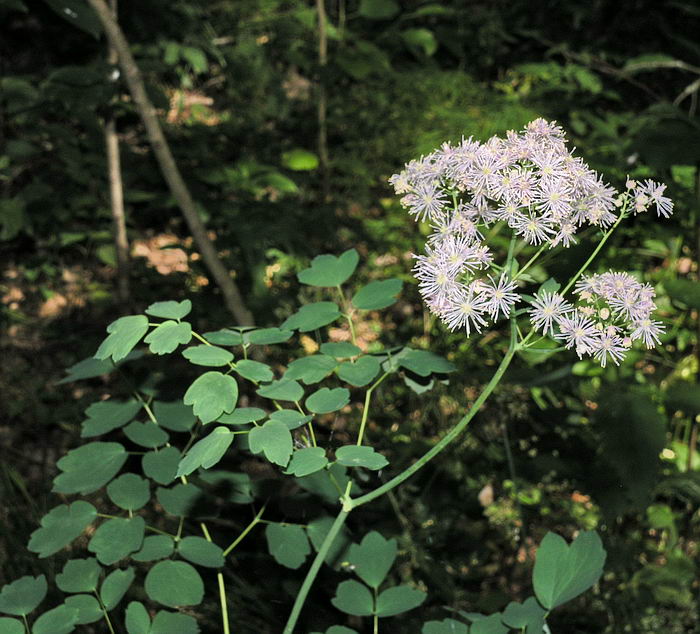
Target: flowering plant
(528, 183)
(531, 183)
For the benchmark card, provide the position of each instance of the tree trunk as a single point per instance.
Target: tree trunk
(116, 193)
(171, 173)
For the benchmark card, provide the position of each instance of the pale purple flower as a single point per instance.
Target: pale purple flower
(500, 296)
(534, 229)
(577, 330)
(655, 191)
(426, 201)
(611, 346)
(467, 309)
(547, 310)
(647, 330)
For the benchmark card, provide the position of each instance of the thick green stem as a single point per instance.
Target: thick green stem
(450, 436)
(349, 504)
(313, 571)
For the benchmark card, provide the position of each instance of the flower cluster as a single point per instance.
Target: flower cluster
(531, 182)
(614, 310)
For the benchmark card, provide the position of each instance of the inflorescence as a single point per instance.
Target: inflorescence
(532, 183)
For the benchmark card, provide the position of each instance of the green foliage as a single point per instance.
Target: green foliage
(377, 295)
(207, 355)
(329, 270)
(22, 596)
(373, 558)
(563, 572)
(201, 552)
(79, 575)
(89, 467)
(312, 316)
(60, 526)
(288, 544)
(307, 461)
(274, 440)
(326, 400)
(207, 452)
(125, 333)
(116, 538)
(360, 456)
(211, 395)
(174, 584)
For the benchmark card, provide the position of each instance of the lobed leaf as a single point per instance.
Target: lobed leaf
(313, 316)
(563, 572)
(174, 584)
(170, 309)
(328, 400)
(166, 337)
(373, 558)
(360, 456)
(124, 334)
(89, 467)
(329, 270)
(354, 598)
(307, 461)
(117, 538)
(200, 551)
(212, 394)
(207, 452)
(212, 356)
(274, 439)
(114, 587)
(79, 575)
(21, 597)
(155, 547)
(60, 526)
(377, 295)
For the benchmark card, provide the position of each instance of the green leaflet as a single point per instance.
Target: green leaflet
(89, 467)
(124, 334)
(329, 270)
(170, 309)
(174, 584)
(274, 439)
(207, 452)
(60, 526)
(373, 558)
(212, 394)
(166, 337)
(288, 544)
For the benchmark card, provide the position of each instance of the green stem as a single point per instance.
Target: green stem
(375, 618)
(349, 503)
(222, 588)
(196, 335)
(222, 598)
(590, 259)
(346, 314)
(365, 411)
(26, 624)
(313, 571)
(449, 437)
(530, 262)
(104, 611)
(246, 530)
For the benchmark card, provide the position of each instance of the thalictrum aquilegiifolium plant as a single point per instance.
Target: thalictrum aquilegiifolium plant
(152, 526)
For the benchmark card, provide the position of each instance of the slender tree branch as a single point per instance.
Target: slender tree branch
(116, 191)
(322, 98)
(171, 173)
